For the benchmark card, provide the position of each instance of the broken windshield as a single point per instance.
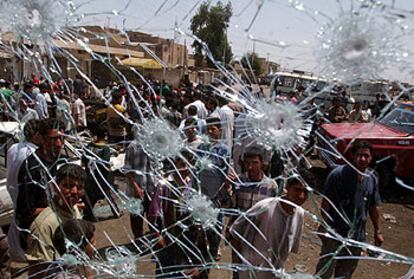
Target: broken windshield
(401, 118)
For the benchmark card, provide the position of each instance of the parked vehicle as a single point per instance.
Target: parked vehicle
(392, 138)
(290, 82)
(367, 90)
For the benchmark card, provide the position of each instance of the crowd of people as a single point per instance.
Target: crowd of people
(361, 111)
(54, 199)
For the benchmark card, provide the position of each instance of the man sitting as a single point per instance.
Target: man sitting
(69, 188)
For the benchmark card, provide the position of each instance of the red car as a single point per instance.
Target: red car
(392, 138)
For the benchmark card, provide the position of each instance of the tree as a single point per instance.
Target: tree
(250, 61)
(210, 25)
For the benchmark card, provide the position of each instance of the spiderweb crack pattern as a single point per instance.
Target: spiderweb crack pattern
(360, 41)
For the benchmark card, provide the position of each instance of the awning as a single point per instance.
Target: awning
(145, 63)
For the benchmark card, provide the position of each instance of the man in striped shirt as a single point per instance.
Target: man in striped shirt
(252, 187)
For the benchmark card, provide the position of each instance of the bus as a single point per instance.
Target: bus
(286, 83)
(367, 90)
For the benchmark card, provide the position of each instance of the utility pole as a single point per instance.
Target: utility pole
(184, 58)
(254, 46)
(173, 42)
(225, 47)
(109, 22)
(268, 62)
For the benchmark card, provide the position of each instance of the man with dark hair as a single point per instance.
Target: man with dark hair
(25, 113)
(35, 173)
(255, 185)
(242, 141)
(202, 111)
(27, 89)
(191, 133)
(192, 114)
(337, 113)
(350, 193)
(270, 230)
(114, 117)
(66, 194)
(79, 112)
(192, 110)
(78, 84)
(212, 104)
(212, 178)
(218, 107)
(64, 112)
(252, 187)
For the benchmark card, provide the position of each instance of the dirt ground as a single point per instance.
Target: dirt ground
(398, 239)
(398, 231)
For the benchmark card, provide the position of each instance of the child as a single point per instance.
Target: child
(213, 176)
(70, 180)
(168, 208)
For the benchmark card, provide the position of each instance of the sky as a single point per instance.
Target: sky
(288, 23)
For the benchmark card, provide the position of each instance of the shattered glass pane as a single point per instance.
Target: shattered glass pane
(211, 153)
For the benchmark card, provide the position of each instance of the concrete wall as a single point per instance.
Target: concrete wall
(172, 77)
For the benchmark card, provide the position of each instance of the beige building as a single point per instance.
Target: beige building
(103, 52)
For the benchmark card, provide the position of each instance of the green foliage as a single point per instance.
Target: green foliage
(210, 26)
(250, 61)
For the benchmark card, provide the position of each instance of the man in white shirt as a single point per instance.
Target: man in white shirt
(190, 130)
(192, 113)
(64, 112)
(16, 155)
(227, 124)
(25, 113)
(226, 115)
(201, 109)
(269, 231)
(79, 113)
(40, 104)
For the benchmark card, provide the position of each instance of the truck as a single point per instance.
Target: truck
(392, 138)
